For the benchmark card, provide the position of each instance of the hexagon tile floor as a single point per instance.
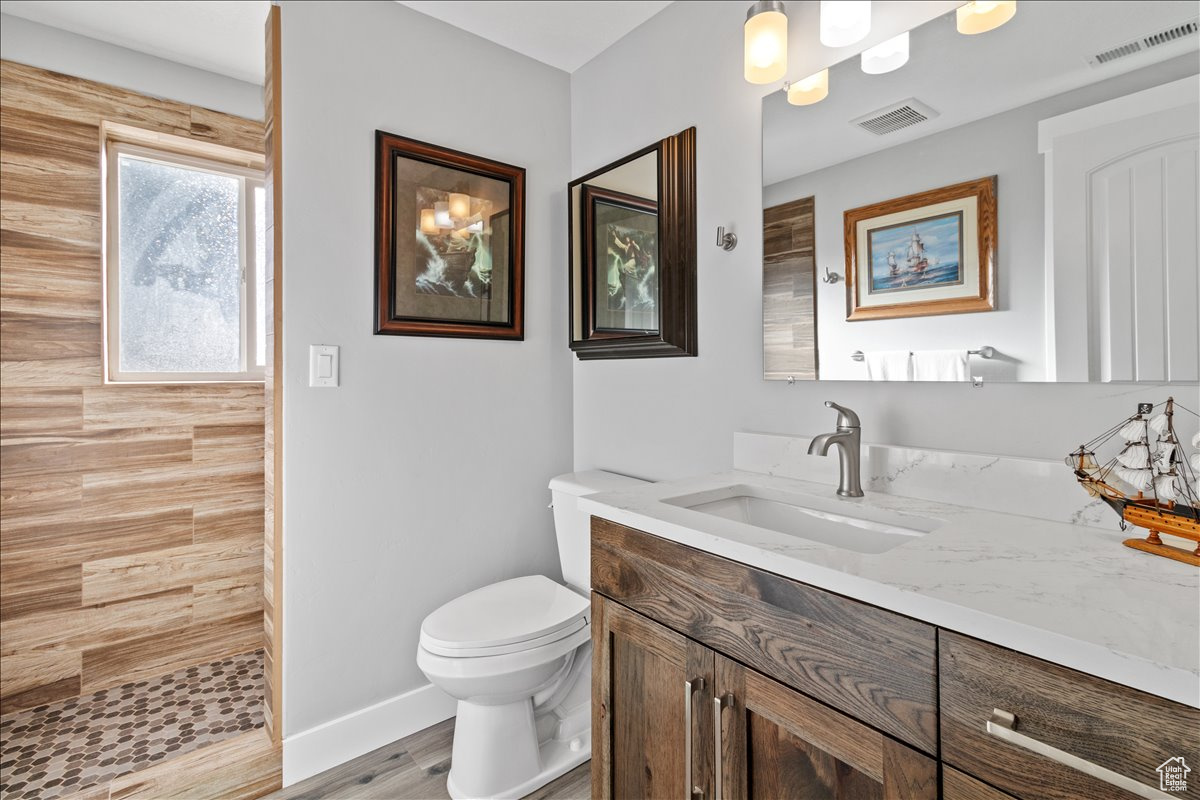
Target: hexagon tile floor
(65, 747)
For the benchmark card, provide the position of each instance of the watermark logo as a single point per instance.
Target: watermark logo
(1172, 775)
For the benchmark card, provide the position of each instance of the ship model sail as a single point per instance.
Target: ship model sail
(1151, 481)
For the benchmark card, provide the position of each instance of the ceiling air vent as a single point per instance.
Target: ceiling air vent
(895, 117)
(1142, 43)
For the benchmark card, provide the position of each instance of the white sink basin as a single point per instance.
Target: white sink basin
(846, 524)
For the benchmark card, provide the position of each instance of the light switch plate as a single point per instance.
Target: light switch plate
(323, 365)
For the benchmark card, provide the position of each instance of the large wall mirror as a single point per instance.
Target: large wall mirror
(633, 254)
(1018, 205)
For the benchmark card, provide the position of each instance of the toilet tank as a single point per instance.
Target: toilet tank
(572, 526)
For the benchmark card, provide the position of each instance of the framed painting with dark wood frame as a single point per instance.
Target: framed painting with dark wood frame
(620, 255)
(632, 246)
(928, 253)
(449, 242)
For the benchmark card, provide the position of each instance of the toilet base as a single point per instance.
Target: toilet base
(558, 758)
(497, 752)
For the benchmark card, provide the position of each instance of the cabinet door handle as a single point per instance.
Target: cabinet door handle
(690, 690)
(1003, 725)
(719, 705)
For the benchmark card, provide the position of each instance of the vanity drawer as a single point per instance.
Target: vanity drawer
(961, 786)
(1113, 727)
(871, 664)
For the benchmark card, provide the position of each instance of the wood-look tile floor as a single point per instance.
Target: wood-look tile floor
(413, 768)
(65, 747)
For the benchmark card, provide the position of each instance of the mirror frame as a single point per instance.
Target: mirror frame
(677, 329)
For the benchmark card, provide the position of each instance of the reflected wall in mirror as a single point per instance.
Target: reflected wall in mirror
(633, 254)
(1090, 126)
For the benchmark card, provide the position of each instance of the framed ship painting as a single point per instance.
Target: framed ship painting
(620, 260)
(924, 254)
(449, 242)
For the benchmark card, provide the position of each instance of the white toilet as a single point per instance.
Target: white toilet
(517, 656)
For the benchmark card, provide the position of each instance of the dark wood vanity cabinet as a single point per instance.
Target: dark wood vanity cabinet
(672, 718)
(713, 679)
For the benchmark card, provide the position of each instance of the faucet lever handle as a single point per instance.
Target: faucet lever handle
(846, 417)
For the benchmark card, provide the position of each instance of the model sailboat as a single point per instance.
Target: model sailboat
(1150, 482)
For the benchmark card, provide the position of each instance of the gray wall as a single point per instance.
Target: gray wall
(42, 46)
(424, 475)
(662, 418)
(1004, 145)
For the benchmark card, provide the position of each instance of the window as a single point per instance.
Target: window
(185, 268)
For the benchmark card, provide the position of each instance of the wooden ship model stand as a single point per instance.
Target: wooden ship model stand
(1157, 524)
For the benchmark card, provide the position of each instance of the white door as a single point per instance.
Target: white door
(1123, 185)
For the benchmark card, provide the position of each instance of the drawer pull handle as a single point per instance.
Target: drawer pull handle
(690, 690)
(719, 705)
(1003, 725)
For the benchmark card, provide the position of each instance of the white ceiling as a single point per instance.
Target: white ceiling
(562, 34)
(1040, 53)
(215, 35)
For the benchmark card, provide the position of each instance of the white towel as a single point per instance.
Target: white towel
(889, 365)
(940, 365)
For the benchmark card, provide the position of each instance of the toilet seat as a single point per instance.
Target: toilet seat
(505, 617)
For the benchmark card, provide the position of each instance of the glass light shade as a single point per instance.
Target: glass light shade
(887, 56)
(982, 16)
(844, 22)
(428, 225)
(765, 42)
(460, 205)
(812, 89)
(441, 215)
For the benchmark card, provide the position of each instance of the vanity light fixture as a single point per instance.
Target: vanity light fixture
(844, 22)
(887, 56)
(428, 225)
(982, 16)
(460, 205)
(765, 42)
(441, 215)
(812, 89)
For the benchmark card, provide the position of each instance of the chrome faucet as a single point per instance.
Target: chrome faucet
(848, 440)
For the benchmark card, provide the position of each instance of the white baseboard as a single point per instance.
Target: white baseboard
(335, 742)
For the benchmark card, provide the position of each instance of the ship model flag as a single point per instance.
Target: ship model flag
(1151, 482)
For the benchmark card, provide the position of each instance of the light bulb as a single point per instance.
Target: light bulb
(844, 22)
(441, 215)
(460, 205)
(812, 89)
(765, 42)
(885, 57)
(982, 16)
(428, 226)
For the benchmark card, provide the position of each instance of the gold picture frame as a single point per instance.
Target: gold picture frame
(924, 254)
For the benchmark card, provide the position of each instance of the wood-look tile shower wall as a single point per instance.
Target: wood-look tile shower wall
(131, 517)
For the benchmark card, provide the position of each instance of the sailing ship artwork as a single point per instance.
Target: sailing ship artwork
(1150, 481)
(916, 255)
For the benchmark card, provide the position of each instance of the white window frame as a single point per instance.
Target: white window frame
(249, 179)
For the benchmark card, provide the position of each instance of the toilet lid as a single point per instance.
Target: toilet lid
(503, 617)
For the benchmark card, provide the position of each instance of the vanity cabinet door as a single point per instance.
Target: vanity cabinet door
(651, 694)
(777, 743)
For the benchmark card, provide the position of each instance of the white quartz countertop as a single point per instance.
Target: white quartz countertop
(1069, 594)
